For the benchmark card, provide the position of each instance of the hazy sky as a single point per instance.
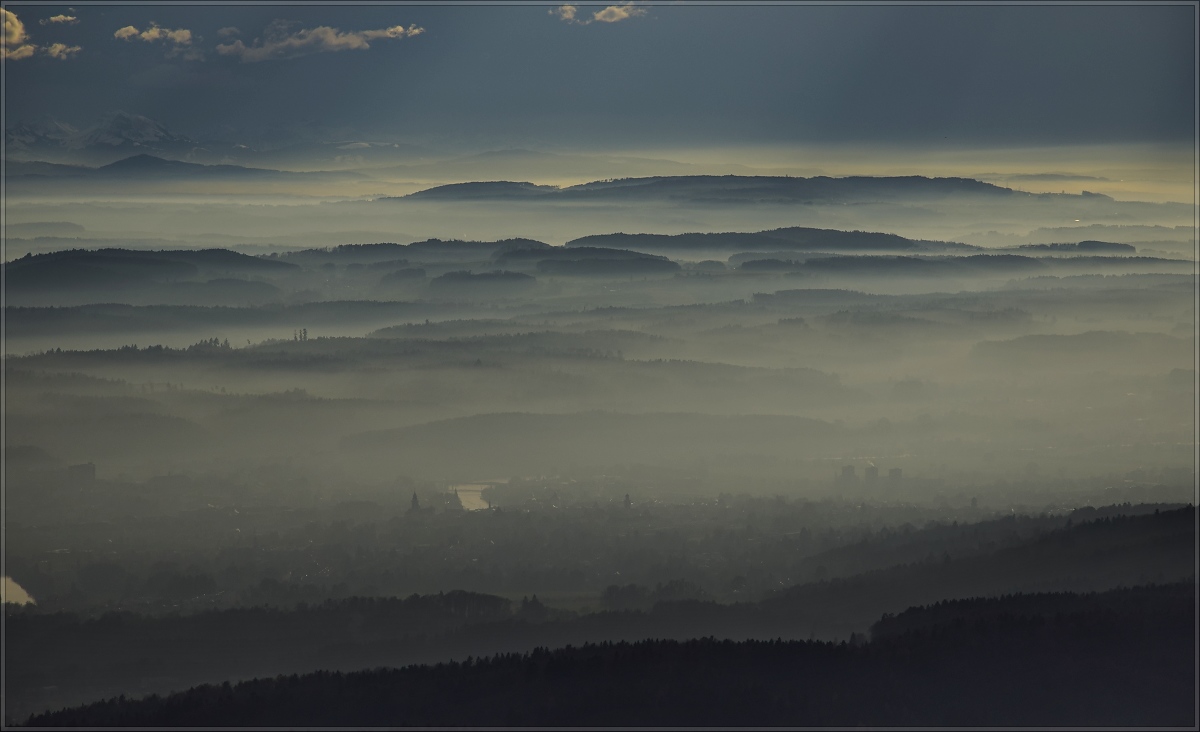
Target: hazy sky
(623, 76)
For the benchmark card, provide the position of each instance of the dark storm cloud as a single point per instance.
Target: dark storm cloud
(673, 74)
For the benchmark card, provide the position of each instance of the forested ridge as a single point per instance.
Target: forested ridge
(1125, 657)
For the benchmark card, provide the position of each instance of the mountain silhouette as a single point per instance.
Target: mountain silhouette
(728, 189)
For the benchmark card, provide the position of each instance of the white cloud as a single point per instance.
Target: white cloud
(279, 41)
(16, 44)
(617, 13)
(61, 51)
(565, 12)
(68, 19)
(229, 31)
(610, 14)
(396, 31)
(179, 40)
(181, 36)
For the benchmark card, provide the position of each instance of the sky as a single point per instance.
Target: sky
(629, 76)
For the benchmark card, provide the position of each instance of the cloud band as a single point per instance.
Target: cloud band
(279, 41)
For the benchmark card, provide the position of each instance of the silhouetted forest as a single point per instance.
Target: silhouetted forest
(87, 654)
(1125, 657)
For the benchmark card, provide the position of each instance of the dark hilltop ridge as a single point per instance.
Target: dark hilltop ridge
(387, 254)
(792, 238)
(1090, 247)
(488, 189)
(940, 593)
(725, 188)
(146, 164)
(223, 258)
(179, 276)
(436, 267)
(80, 268)
(1122, 657)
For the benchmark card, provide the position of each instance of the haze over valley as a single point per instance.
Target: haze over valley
(353, 403)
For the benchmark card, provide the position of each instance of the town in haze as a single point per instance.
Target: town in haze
(633, 364)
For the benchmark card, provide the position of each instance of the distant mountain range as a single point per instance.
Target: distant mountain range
(708, 189)
(144, 166)
(116, 136)
(302, 145)
(120, 135)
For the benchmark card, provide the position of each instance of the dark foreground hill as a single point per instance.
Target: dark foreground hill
(60, 659)
(1124, 658)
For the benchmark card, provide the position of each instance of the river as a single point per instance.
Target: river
(470, 495)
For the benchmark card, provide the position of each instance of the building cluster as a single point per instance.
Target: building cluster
(849, 476)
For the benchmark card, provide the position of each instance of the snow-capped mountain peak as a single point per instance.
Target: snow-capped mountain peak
(122, 129)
